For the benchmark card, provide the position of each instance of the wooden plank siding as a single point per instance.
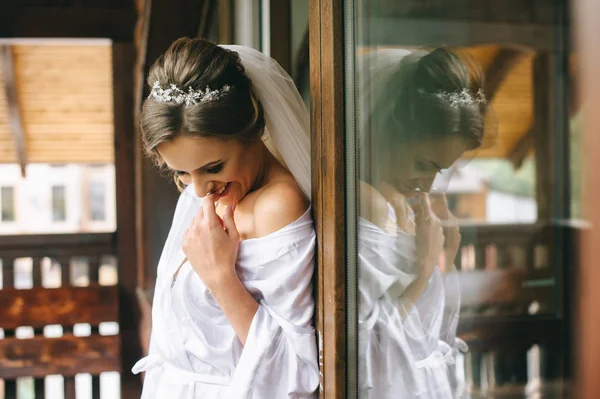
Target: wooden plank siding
(38, 307)
(65, 94)
(67, 356)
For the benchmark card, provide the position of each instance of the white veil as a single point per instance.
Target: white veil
(287, 133)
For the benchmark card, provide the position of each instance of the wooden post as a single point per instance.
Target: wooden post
(542, 134)
(123, 69)
(328, 174)
(8, 281)
(225, 15)
(588, 294)
(280, 20)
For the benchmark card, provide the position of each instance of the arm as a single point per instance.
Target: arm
(430, 243)
(212, 250)
(237, 304)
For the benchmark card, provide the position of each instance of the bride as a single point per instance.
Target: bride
(233, 306)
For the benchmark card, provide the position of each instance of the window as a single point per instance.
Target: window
(8, 204)
(97, 200)
(59, 209)
(435, 86)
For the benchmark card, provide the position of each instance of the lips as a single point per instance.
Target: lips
(222, 191)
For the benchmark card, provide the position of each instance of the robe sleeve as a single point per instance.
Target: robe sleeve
(280, 358)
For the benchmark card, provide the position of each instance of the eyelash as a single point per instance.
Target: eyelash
(215, 169)
(422, 166)
(212, 170)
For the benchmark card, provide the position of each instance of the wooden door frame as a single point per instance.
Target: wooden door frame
(588, 321)
(328, 181)
(123, 61)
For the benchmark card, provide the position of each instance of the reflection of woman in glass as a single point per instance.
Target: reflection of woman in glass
(421, 111)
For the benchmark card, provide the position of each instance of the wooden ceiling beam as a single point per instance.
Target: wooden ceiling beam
(80, 22)
(520, 150)
(393, 31)
(15, 121)
(500, 68)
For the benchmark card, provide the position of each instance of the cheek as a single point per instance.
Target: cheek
(186, 180)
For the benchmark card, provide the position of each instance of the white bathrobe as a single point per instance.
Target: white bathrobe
(406, 350)
(194, 351)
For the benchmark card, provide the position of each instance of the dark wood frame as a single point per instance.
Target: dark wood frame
(69, 22)
(123, 102)
(280, 25)
(328, 171)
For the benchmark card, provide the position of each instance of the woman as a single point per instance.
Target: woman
(422, 110)
(233, 301)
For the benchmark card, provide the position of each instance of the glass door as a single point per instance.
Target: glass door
(462, 198)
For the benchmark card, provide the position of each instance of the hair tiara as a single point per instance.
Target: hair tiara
(191, 97)
(458, 98)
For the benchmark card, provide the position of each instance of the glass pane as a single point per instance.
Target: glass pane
(7, 201)
(462, 135)
(97, 201)
(59, 210)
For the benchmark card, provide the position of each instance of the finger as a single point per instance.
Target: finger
(426, 206)
(422, 208)
(229, 221)
(199, 216)
(210, 213)
(415, 203)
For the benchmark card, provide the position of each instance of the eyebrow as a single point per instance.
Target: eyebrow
(205, 166)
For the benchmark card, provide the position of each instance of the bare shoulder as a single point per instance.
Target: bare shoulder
(373, 205)
(278, 204)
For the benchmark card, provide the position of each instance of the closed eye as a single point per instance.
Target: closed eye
(214, 169)
(427, 166)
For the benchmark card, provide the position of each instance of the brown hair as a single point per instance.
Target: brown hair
(417, 113)
(199, 64)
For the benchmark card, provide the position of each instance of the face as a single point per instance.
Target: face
(415, 164)
(226, 168)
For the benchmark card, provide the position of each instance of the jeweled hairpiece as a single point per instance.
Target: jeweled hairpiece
(458, 98)
(192, 97)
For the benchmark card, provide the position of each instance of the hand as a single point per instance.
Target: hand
(400, 205)
(211, 244)
(429, 236)
(439, 205)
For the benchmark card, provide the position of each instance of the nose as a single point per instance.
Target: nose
(201, 186)
(422, 184)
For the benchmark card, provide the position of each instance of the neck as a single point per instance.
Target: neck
(266, 162)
